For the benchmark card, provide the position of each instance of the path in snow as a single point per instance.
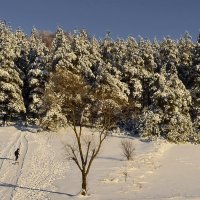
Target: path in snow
(8, 149)
(37, 170)
(9, 170)
(40, 170)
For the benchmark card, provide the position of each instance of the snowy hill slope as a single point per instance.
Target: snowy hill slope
(159, 171)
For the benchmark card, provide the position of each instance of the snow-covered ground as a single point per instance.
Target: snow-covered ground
(159, 171)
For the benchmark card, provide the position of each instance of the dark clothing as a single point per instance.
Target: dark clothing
(4, 120)
(16, 154)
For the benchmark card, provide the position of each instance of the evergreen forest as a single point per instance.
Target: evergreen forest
(153, 87)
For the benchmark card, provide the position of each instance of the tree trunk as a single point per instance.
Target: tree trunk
(84, 184)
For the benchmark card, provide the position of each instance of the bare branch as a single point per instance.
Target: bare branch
(74, 157)
(87, 153)
(91, 160)
(128, 149)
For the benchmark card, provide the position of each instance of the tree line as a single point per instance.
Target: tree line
(150, 88)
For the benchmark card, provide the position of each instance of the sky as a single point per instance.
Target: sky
(122, 18)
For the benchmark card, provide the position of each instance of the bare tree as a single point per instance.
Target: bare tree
(128, 149)
(47, 38)
(83, 105)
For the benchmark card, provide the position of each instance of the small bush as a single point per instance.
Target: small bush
(128, 149)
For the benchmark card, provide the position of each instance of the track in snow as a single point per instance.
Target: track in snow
(10, 173)
(8, 149)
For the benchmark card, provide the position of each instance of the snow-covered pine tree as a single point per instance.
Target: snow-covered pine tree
(170, 101)
(133, 73)
(194, 85)
(76, 53)
(83, 58)
(37, 73)
(168, 116)
(156, 53)
(11, 101)
(22, 62)
(169, 55)
(185, 48)
(149, 119)
(98, 64)
(114, 56)
(147, 52)
(61, 54)
(32, 63)
(173, 101)
(81, 45)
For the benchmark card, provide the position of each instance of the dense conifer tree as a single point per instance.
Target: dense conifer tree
(11, 101)
(37, 73)
(194, 86)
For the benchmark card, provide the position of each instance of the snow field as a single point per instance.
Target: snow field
(111, 176)
(159, 170)
(133, 175)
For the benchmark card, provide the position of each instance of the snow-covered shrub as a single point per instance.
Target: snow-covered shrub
(149, 127)
(53, 120)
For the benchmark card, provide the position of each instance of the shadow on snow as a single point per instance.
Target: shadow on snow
(109, 158)
(34, 189)
(5, 158)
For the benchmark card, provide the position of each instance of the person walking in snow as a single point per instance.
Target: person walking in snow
(4, 120)
(17, 154)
